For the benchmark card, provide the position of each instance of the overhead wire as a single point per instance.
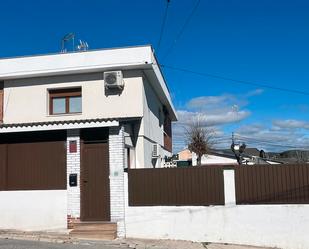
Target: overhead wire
(235, 80)
(188, 19)
(265, 142)
(163, 24)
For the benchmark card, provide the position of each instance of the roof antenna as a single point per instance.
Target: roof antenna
(83, 46)
(68, 37)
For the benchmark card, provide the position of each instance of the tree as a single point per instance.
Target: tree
(199, 140)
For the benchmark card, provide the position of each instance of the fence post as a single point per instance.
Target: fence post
(229, 187)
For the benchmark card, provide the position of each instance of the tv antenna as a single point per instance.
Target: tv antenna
(68, 37)
(83, 46)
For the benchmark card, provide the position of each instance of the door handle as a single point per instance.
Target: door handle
(85, 181)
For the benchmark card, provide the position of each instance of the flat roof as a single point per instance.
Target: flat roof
(72, 52)
(77, 62)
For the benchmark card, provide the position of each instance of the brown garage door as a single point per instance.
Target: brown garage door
(33, 161)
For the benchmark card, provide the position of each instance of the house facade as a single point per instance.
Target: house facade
(70, 124)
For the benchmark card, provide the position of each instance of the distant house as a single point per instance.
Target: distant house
(185, 155)
(226, 157)
(214, 157)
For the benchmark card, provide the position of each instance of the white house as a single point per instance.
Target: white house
(69, 126)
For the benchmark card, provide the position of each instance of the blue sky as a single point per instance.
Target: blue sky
(265, 42)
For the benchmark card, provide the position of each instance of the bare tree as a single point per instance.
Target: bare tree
(199, 140)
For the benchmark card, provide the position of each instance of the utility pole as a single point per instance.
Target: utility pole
(237, 149)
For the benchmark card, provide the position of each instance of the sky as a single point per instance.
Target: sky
(259, 41)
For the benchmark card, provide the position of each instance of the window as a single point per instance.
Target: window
(65, 101)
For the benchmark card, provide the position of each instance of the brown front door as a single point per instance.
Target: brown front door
(95, 194)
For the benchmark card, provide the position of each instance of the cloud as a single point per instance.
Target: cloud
(212, 112)
(211, 119)
(216, 112)
(273, 138)
(255, 92)
(249, 129)
(213, 104)
(296, 108)
(290, 124)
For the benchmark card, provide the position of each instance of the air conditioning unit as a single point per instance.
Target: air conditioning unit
(113, 79)
(156, 150)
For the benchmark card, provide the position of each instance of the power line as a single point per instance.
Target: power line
(240, 138)
(163, 24)
(259, 141)
(182, 29)
(235, 80)
(249, 141)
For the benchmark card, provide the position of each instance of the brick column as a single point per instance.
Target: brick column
(116, 164)
(73, 167)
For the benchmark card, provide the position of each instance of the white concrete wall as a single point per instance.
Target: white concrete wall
(213, 159)
(26, 100)
(152, 123)
(33, 210)
(283, 226)
(151, 129)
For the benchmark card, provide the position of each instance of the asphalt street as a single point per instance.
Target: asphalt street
(24, 244)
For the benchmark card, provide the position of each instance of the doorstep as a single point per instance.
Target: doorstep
(94, 230)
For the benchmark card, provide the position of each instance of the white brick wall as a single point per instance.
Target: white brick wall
(73, 167)
(116, 161)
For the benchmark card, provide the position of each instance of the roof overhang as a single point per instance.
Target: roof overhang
(63, 125)
(76, 62)
(160, 86)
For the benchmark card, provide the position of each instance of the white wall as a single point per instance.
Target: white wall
(212, 159)
(151, 126)
(275, 226)
(33, 210)
(151, 130)
(26, 100)
(283, 226)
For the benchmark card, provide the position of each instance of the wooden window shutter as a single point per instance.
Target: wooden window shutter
(1, 100)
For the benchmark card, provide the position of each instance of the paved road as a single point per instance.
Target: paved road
(23, 244)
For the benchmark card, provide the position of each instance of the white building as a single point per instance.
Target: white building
(69, 125)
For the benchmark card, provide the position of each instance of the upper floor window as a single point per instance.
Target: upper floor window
(65, 101)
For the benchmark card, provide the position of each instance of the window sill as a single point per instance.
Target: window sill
(64, 114)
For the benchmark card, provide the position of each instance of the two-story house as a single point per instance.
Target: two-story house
(69, 125)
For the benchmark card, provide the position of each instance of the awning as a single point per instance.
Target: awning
(63, 125)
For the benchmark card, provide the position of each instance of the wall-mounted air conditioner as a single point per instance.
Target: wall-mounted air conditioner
(113, 79)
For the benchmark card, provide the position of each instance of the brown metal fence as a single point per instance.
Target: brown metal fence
(272, 184)
(194, 186)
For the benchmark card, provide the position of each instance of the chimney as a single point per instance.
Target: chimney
(1, 101)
